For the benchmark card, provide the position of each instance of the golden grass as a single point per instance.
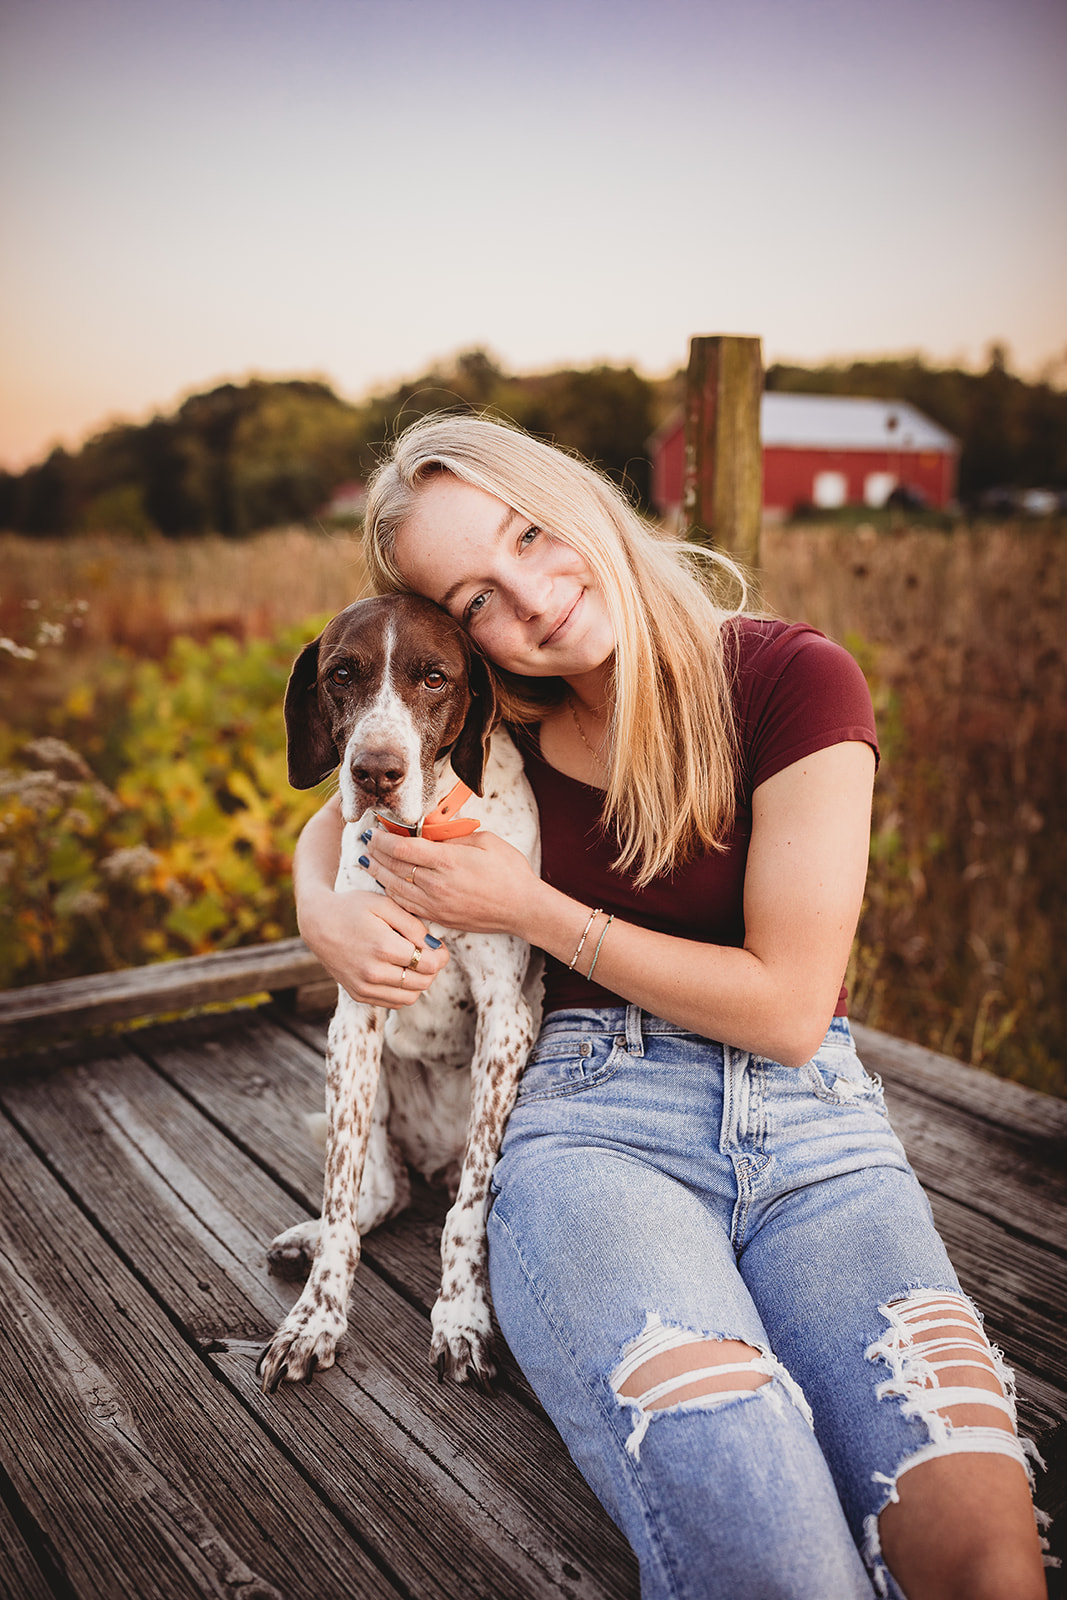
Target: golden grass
(962, 942)
(140, 593)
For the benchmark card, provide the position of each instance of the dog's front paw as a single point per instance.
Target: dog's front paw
(305, 1342)
(291, 1254)
(462, 1343)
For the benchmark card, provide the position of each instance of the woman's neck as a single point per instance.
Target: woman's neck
(594, 692)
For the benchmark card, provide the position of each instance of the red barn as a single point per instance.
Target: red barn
(826, 451)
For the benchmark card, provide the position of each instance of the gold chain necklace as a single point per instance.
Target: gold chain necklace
(596, 754)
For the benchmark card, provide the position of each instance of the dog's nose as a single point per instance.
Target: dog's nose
(378, 772)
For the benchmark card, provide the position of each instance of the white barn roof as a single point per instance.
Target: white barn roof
(847, 422)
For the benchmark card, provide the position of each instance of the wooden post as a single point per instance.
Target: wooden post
(722, 497)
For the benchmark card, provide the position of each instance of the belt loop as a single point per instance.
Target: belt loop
(635, 1043)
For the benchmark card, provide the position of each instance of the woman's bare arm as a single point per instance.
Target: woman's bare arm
(363, 939)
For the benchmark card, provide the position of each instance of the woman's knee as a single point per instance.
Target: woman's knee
(959, 1518)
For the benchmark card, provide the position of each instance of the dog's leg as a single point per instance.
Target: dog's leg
(385, 1190)
(461, 1322)
(308, 1337)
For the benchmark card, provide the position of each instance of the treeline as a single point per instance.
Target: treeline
(260, 454)
(240, 458)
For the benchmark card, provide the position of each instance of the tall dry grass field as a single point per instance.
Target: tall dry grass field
(962, 944)
(134, 594)
(963, 941)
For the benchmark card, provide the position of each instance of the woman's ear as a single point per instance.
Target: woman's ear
(471, 750)
(310, 749)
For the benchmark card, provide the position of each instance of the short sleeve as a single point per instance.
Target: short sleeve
(797, 692)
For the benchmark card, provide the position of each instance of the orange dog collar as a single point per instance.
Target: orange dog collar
(442, 822)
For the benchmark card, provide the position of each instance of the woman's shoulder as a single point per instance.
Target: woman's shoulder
(761, 650)
(765, 644)
(795, 691)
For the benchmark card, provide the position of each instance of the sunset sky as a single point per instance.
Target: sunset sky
(194, 190)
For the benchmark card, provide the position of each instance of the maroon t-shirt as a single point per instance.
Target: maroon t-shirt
(795, 692)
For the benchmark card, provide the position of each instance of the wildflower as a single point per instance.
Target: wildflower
(86, 903)
(57, 757)
(40, 792)
(126, 866)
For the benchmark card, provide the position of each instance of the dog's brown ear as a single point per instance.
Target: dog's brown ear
(471, 750)
(309, 745)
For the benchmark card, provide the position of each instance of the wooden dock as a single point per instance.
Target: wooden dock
(142, 1175)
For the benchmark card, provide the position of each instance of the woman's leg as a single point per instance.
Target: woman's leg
(912, 1407)
(618, 1291)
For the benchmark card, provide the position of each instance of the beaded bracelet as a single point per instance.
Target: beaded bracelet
(585, 934)
(596, 952)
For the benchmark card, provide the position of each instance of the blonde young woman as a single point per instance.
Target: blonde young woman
(707, 1250)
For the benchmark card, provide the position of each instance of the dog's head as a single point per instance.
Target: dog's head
(390, 689)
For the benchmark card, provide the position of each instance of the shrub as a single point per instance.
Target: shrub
(190, 847)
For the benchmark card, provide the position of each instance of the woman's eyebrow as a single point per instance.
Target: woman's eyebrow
(451, 593)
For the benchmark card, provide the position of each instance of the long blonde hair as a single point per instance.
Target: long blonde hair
(670, 794)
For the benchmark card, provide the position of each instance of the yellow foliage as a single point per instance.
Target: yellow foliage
(189, 851)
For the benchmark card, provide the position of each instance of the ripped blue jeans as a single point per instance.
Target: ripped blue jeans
(656, 1189)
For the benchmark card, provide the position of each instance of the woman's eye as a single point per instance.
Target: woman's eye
(341, 676)
(475, 605)
(528, 537)
(435, 680)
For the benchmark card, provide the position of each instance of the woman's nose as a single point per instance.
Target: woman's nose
(531, 595)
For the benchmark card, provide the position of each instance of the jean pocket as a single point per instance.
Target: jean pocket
(838, 1077)
(565, 1063)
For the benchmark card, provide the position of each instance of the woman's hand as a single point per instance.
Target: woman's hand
(368, 944)
(363, 940)
(476, 884)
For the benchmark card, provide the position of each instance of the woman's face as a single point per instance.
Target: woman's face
(529, 601)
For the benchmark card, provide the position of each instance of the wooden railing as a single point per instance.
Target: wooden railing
(46, 1012)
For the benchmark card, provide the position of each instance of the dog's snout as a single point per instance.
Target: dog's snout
(378, 772)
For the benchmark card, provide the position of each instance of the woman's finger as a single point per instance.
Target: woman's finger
(400, 857)
(402, 921)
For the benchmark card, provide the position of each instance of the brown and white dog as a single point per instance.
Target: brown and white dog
(393, 690)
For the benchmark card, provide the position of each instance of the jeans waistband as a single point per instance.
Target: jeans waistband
(634, 1024)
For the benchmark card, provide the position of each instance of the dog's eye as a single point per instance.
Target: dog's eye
(434, 679)
(341, 676)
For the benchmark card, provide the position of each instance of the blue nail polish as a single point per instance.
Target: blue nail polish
(365, 838)
(364, 861)
(434, 944)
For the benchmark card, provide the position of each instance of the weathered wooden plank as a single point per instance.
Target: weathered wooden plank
(460, 1494)
(723, 488)
(21, 1577)
(47, 1011)
(1001, 1174)
(144, 1472)
(255, 1078)
(260, 1080)
(945, 1080)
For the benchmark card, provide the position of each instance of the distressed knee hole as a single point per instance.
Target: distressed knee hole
(943, 1366)
(667, 1368)
(697, 1367)
(946, 1374)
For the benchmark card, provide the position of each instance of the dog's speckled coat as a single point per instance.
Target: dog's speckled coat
(393, 690)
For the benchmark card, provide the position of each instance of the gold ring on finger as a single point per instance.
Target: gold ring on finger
(402, 971)
(416, 958)
(411, 875)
